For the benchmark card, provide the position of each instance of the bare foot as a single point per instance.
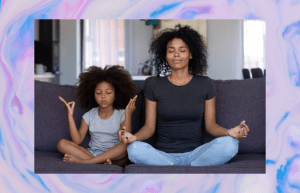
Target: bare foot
(72, 159)
(108, 162)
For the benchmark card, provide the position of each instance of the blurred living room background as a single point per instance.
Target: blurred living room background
(65, 48)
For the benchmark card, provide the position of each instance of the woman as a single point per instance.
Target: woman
(175, 105)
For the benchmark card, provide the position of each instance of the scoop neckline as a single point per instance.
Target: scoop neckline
(180, 85)
(105, 119)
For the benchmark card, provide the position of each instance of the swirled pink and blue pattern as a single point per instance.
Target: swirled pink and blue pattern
(17, 95)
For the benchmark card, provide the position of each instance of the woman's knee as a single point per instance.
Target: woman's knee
(230, 144)
(135, 148)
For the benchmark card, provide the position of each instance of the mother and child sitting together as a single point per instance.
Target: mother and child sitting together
(175, 105)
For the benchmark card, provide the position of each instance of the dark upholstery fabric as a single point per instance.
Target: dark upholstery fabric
(236, 100)
(242, 163)
(52, 163)
(239, 100)
(50, 116)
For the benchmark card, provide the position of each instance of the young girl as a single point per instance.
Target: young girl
(105, 93)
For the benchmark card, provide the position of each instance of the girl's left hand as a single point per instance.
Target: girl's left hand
(126, 137)
(239, 131)
(131, 106)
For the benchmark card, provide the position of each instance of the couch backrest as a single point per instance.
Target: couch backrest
(50, 116)
(236, 100)
(239, 100)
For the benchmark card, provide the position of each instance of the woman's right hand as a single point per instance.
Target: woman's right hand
(126, 137)
(68, 106)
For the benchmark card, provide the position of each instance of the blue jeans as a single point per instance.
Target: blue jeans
(217, 152)
(95, 152)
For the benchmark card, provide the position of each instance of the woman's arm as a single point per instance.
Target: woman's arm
(77, 136)
(148, 129)
(210, 119)
(216, 130)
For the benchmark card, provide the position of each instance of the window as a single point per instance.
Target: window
(254, 44)
(103, 43)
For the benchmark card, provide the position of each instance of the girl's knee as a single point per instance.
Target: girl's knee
(62, 144)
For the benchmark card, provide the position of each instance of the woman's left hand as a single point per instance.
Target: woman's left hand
(239, 131)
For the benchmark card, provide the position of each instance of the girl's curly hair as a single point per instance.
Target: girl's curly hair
(195, 42)
(119, 78)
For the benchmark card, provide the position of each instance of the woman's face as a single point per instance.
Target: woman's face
(104, 94)
(178, 54)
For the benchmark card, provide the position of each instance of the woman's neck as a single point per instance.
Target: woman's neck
(180, 78)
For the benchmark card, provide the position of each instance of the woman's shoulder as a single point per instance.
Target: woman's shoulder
(153, 80)
(203, 78)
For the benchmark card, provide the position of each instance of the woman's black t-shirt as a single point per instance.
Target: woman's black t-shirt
(179, 111)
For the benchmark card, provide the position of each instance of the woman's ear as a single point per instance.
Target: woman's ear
(191, 55)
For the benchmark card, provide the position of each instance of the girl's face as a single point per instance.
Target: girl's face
(178, 54)
(104, 94)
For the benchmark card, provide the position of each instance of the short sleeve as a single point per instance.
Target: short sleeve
(148, 89)
(211, 90)
(122, 115)
(86, 117)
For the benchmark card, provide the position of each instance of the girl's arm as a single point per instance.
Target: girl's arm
(148, 129)
(216, 130)
(77, 136)
(128, 116)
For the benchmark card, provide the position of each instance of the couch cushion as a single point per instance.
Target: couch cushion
(239, 100)
(240, 164)
(50, 116)
(52, 163)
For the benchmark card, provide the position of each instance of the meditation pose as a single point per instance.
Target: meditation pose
(109, 97)
(175, 104)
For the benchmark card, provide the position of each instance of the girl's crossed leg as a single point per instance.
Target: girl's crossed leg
(74, 153)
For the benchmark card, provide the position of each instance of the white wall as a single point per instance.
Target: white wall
(224, 46)
(138, 37)
(69, 51)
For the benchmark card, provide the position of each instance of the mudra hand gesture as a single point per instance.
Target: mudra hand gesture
(239, 131)
(68, 106)
(126, 137)
(130, 106)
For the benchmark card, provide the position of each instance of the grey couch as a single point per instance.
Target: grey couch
(237, 100)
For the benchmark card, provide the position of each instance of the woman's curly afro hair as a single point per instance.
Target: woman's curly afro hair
(119, 78)
(195, 42)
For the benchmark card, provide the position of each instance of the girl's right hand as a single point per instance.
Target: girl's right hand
(68, 106)
(126, 137)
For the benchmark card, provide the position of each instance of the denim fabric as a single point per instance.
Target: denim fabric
(95, 152)
(217, 152)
